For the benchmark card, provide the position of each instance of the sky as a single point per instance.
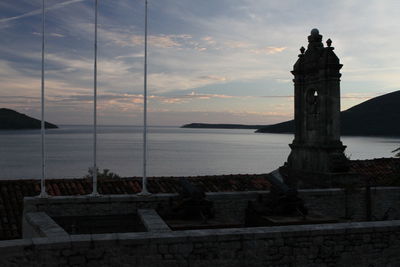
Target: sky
(225, 61)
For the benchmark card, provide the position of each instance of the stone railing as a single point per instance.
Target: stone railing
(367, 244)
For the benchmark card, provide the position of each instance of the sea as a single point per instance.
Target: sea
(172, 151)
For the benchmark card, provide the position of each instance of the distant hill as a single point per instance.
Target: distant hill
(221, 126)
(13, 120)
(377, 116)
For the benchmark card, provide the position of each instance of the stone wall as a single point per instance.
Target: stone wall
(368, 244)
(230, 205)
(352, 204)
(349, 205)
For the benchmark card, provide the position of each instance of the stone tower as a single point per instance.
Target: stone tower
(316, 147)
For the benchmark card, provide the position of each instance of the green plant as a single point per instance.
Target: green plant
(101, 175)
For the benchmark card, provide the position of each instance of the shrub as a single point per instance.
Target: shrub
(101, 175)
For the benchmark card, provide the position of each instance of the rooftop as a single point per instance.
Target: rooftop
(12, 192)
(384, 172)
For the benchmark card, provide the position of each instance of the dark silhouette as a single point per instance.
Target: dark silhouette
(397, 151)
(221, 126)
(377, 116)
(316, 147)
(191, 204)
(13, 120)
(105, 174)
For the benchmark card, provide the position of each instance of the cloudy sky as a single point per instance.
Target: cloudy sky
(225, 61)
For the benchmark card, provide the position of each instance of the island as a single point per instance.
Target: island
(13, 120)
(379, 116)
(221, 126)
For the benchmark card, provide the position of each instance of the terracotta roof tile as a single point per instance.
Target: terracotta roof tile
(12, 192)
(383, 171)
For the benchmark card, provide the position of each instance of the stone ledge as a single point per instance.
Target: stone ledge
(104, 239)
(44, 225)
(152, 221)
(234, 195)
(324, 191)
(15, 246)
(273, 236)
(97, 199)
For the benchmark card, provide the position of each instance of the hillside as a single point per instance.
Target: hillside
(221, 126)
(13, 120)
(377, 116)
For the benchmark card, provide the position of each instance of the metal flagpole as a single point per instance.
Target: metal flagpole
(94, 191)
(42, 126)
(144, 179)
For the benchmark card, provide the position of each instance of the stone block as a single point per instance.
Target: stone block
(185, 248)
(200, 236)
(133, 238)
(95, 254)
(62, 242)
(81, 241)
(152, 221)
(107, 240)
(77, 260)
(11, 248)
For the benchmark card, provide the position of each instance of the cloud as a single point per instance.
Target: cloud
(268, 50)
(129, 39)
(213, 78)
(363, 96)
(164, 41)
(209, 40)
(71, 63)
(56, 35)
(39, 11)
(284, 81)
(207, 96)
(52, 34)
(237, 44)
(187, 98)
(17, 101)
(126, 98)
(134, 55)
(278, 96)
(266, 113)
(230, 47)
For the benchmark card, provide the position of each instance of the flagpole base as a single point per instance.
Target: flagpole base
(144, 193)
(43, 195)
(95, 194)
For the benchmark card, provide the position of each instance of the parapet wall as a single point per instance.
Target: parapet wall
(230, 205)
(368, 244)
(353, 204)
(348, 204)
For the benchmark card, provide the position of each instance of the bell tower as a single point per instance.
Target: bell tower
(316, 147)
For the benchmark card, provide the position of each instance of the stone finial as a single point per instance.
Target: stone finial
(315, 32)
(315, 39)
(302, 49)
(329, 42)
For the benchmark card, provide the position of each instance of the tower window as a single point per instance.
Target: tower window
(312, 102)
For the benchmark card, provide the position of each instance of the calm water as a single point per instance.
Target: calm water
(172, 151)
